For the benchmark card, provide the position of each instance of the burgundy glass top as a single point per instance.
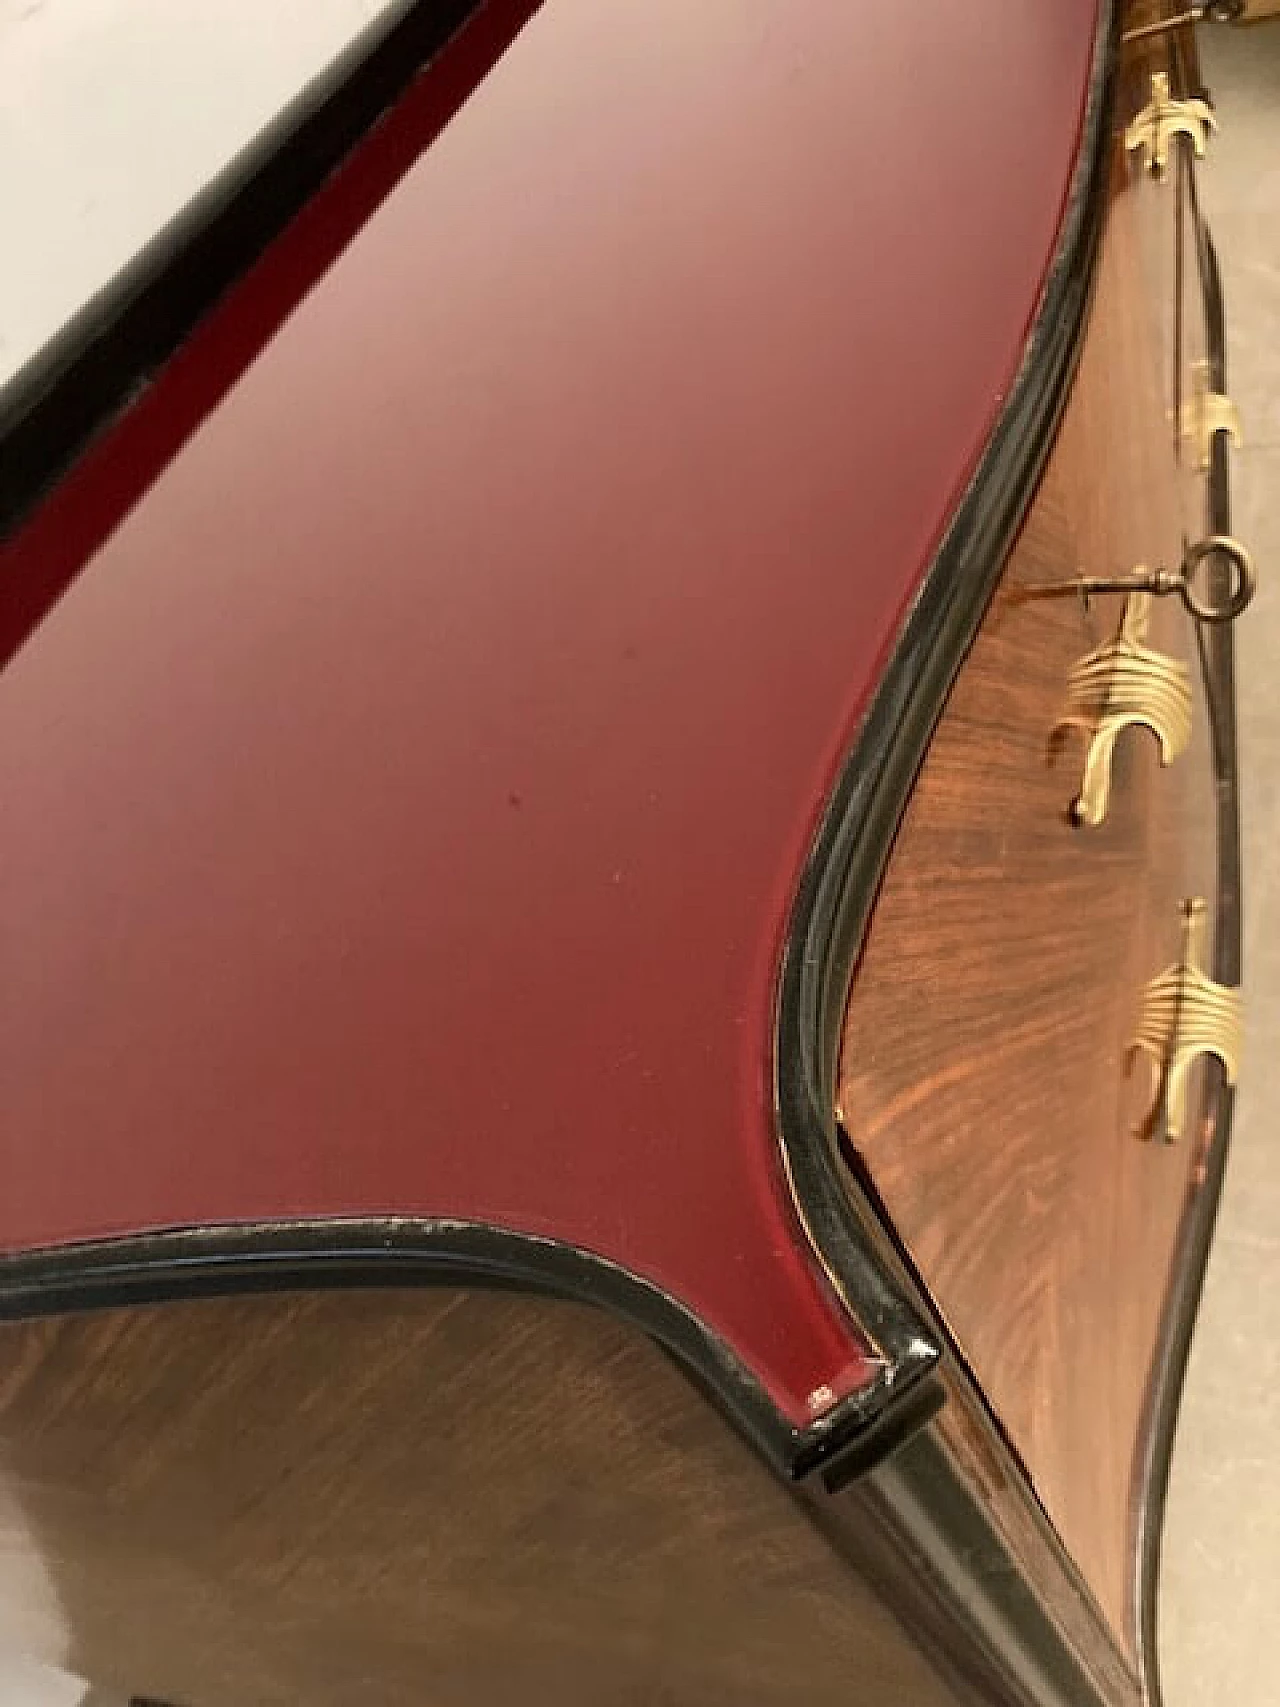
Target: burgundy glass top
(403, 807)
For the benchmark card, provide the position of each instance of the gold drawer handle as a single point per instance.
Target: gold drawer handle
(1205, 414)
(1180, 581)
(1162, 119)
(1185, 1015)
(1122, 685)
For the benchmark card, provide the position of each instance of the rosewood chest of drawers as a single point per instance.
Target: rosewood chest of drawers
(620, 886)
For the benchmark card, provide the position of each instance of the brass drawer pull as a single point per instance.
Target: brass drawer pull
(1124, 684)
(1162, 119)
(1205, 414)
(1180, 581)
(1185, 1015)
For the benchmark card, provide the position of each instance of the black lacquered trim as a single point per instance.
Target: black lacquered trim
(401, 1251)
(922, 1525)
(996, 1629)
(54, 407)
(838, 888)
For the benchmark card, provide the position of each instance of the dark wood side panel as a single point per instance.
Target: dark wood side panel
(982, 1074)
(412, 1498)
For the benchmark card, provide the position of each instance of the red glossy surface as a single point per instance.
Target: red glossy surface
(403, 807)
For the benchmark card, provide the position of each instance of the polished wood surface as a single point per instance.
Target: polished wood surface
(982, 1073)
(410, 1498)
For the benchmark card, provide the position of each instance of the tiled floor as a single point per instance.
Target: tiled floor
(1222, 1557)
(1221, 1589)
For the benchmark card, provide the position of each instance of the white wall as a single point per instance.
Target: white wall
(113, 113)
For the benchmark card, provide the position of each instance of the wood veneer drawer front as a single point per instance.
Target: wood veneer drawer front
(983, 1062)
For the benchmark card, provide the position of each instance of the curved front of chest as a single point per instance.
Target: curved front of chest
(1044, 1019)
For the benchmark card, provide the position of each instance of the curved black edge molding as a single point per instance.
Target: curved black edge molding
(404, 1251)
(1195, 1234)
(916, 1525)
(55, 405)
(1001, 1624)
(839, 884)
